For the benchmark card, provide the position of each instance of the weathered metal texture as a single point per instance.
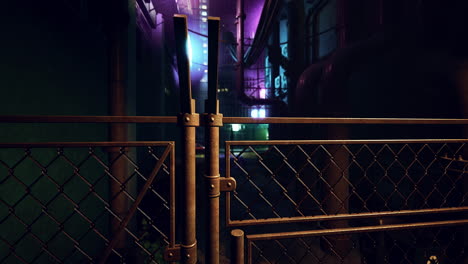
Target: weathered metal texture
(213, 193)
(327, 120)
(231, 120)
(188, 120)
(87, 119)
(237, 246)
(212, 122)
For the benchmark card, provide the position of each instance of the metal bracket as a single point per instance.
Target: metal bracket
(214, 120)
(188, 120)
(218, 184)
(172, 254)
(213, 186)
(227, 184)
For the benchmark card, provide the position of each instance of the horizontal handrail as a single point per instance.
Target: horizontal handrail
(86, 144)
(353, 230)
(87, 119)
(230, 120)
(330, 120)
(342, 141)
(369, 215)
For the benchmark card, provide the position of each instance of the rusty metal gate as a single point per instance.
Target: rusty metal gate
(286, 201)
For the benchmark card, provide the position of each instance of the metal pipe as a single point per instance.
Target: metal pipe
(87, 119)
(188, 120)
(332, 120)
(240, 16)
(212, 180)
(237, 246)
(232, 120)
(213, 120)
(315, 218)
(353, 230)
(188, 214)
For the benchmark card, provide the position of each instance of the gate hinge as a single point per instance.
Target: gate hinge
(227, 184)
(172, 253)
(214, 120)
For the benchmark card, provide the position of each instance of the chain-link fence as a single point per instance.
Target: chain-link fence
(349, 201)
(323, 179)
(59, 205)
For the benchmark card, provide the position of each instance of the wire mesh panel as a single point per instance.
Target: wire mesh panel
(419, 245)
(56, 202)
(284, 181)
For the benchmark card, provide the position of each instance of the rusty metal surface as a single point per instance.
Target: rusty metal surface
(325, 120)
(75, 209)
(212, 121)
(237, 246)
(86, 144)
(188, 120)
(316, 218)
(288, 181)
(87, 119)
(352, 230)
(229, 120)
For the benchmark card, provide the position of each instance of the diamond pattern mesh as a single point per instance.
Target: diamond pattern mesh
(57, 204)
(309, 179)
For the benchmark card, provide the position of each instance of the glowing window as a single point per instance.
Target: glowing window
(254, 113)
(261, 113)
(258, 113)
(263, 93)
(236, 127)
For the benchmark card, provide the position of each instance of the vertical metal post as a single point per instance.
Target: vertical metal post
(237, 246)
(240, 47)
(188, 120)
(212, 122)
